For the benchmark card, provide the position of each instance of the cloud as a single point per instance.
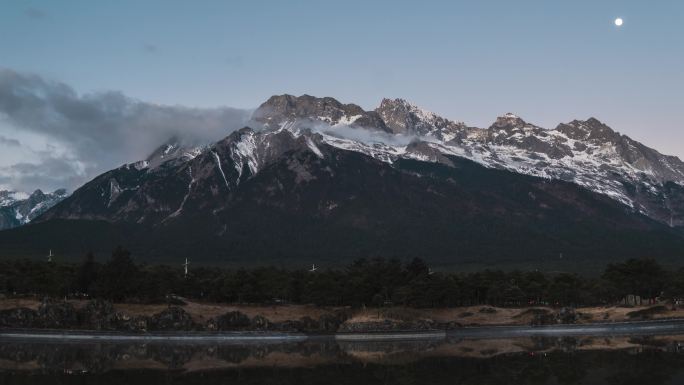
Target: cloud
(51, 172)
(365, 135)
(235, 61)
(92, 133)
(9, 142)
(35, 13)
(150, 48)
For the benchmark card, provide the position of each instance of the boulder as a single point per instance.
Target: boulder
(331, 322)
(172, 319)
(127, 323)
(20, 317)
(567, 315)
(260, 323)
(233, 320)
(388, 325)
(286, 326)
(98, 315)
(308, 325)
(58, 315)
(537, 316)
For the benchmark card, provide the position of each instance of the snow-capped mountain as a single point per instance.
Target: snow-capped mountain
(588, 153)
(313, 177)
(19, 208)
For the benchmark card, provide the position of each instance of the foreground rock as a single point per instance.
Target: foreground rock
(102, 316)
(19, 318)
(389, 326)
(172, 319)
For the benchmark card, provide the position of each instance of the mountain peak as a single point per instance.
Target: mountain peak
(19, 208)
(509, 120)
(405, 106)
(593, 121)
(304, 106)
(37, 194)
(173, 148)
(590, 129)
(281, 109)
(395, 103)
(403, 117)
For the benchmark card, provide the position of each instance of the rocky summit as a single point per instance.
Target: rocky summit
(17, 208)
(314, 178)
(584, 152)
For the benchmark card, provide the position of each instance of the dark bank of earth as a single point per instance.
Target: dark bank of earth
(100, 315)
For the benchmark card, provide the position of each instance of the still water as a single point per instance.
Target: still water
(530, 360)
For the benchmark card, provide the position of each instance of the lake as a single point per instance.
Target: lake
(638, 359)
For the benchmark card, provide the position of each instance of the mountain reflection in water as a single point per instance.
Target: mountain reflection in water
(577, 360)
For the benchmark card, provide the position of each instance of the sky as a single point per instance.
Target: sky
(102, 82)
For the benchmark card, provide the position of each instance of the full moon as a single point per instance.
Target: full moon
(618, 21)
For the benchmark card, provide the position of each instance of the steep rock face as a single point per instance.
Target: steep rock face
(342, 205)
(510, 130)
(17, 209)
(402, 117)
(593, 136)
(282, 109)
(415, 185)
(139, 193)
(587, 153)
(173, 150)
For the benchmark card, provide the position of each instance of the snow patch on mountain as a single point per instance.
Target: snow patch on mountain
(587, 153)
(220, 168)
(244, 152)
(19, 208)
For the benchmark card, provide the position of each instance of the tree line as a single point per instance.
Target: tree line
(365, 282)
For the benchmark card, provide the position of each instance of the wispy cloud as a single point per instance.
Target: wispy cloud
(364, 134)
(93, 133)
(235, 61)
(9, 142)
(35, 13)
(150, 48)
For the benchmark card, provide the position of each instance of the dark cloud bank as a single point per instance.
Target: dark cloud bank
(9, 142)
(100, 130)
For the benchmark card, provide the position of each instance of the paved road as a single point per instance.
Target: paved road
(665, 327)
(180, 337)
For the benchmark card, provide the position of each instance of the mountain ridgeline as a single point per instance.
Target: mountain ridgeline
(17, 209)
(315, 180)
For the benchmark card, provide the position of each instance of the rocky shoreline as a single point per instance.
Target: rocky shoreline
(102, 316)
(98, 315)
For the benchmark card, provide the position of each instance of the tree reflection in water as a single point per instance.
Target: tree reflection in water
(621, 360)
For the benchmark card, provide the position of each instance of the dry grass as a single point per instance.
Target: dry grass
(471, 315)
(467, 316)
(280, 313)
(135, 310)
(619, 314)
(18, 365)
(19, 302)
(201, 312)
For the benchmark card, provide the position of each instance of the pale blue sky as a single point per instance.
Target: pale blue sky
(547, 61)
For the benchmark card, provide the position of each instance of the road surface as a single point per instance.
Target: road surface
(664, 327)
